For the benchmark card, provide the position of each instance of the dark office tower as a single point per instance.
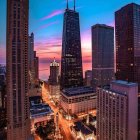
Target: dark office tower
(31, 58)
(127, 24)
(18, 126)
(31, 51)
(102, 54)
(71, 60)
(36, 67)
(88, 78)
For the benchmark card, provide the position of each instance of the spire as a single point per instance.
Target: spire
(54, 59)
(74, 5)
(67, 5)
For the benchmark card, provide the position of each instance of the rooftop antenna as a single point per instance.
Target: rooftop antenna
(74, 5)
(67, 5)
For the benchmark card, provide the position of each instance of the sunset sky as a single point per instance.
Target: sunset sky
(46, 22)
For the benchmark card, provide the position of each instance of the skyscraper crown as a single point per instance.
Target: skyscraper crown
(68, 5)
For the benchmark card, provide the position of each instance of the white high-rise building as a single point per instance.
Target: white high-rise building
(117, 111)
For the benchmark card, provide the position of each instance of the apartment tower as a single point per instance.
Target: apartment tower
(117, 111)
(18, 120)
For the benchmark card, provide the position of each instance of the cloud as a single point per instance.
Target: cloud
(53, 14)
(49, 44)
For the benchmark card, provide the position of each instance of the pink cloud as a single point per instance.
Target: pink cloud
(53, 14)
(50, 48)
(52, 44)
(112, 24)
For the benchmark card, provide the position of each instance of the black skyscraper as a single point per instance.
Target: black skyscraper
(127, 24)
(71, 61)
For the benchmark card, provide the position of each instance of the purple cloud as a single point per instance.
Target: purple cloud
(53, 14)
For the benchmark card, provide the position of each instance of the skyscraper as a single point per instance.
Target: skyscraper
(102, 54)
(18, 126)
(36, 67)
(31, 51)
(127, 24)
(54, 73)
(88, 77)
(54, 81)
(3, 122)
(117, 111)
(2, 86)
(33, 60)
(71, 60)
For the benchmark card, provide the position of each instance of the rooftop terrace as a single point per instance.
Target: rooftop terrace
(78, 91)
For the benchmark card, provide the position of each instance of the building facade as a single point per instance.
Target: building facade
(36, 66)
(54, 84)
(117, 110)
(71, 59)
(33, 60)
(3, 119)
(102, 54)
(31, 51)
(54, 73)
(18, 118)
(78, 100)
(127, 24)
(3, 86)
(88, 78)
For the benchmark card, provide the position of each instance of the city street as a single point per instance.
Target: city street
(63, 123)
(36, 137)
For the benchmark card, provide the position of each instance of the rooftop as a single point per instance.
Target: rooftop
(54, 63)
(124, 83)
(84, 129)
(102, 26)
(40, 110)
(78, 91)
(79, 126)
(128, 5)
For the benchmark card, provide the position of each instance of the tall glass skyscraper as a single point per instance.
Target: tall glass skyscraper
(127, 24)
(71, 60)
(102, 54)
(18, 125)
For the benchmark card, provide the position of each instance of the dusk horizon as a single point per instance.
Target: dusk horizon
(46, 22)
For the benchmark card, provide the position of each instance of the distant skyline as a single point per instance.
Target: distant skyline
(46, 21)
